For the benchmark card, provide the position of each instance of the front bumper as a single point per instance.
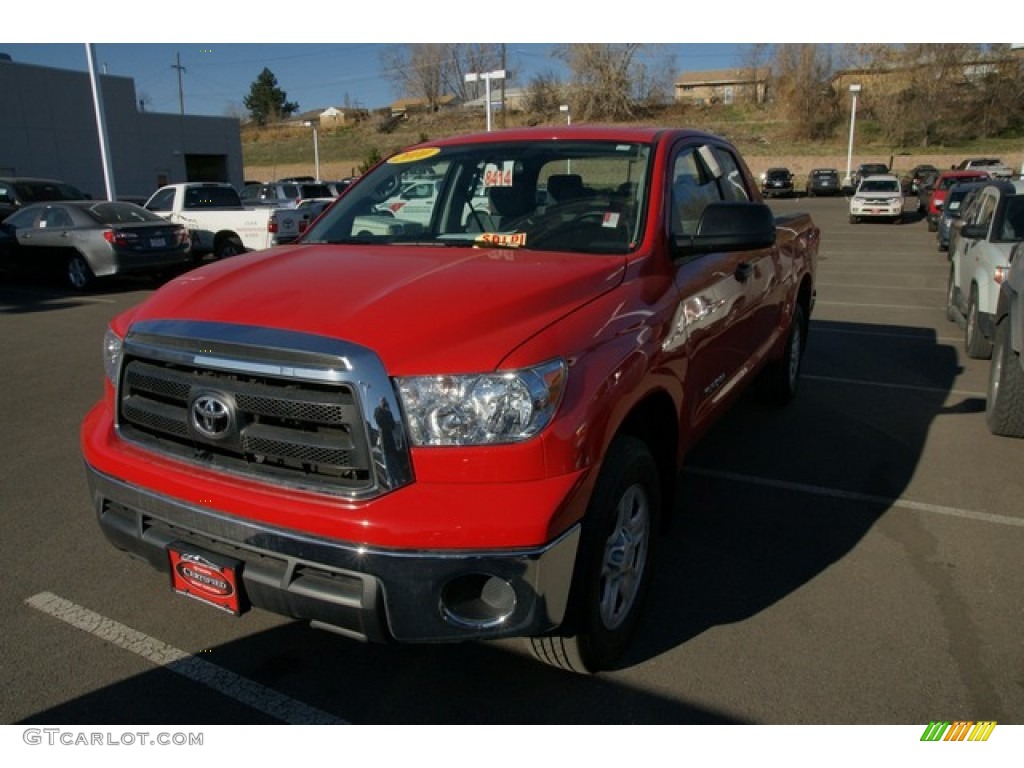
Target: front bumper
(880, 209)
(365, 593)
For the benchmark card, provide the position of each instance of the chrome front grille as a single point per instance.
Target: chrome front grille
(237, 408)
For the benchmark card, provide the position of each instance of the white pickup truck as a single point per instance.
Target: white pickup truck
(220, 224)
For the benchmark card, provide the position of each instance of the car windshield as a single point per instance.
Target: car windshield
(583, 196)
(37, 191)
(879, 185)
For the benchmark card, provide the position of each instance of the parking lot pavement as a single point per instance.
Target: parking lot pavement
(852, 558)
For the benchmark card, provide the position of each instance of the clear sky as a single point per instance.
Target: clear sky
(217, 76)
(328, 53)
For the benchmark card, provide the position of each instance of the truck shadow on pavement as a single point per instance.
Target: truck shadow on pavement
(771, 498)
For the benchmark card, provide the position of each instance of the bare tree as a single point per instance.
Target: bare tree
(603, 79)
(802, 76)
(430, 71)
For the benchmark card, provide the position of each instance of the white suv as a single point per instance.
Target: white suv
(877, 197)
(979, 261)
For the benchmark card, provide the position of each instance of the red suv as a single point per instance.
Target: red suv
(938, 194)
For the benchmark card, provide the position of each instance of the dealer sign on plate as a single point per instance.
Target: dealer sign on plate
(205, 576)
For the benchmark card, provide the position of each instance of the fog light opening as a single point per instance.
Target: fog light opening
(478, 600)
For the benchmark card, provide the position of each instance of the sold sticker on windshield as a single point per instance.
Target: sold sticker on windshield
(513, 240)
(498, 175)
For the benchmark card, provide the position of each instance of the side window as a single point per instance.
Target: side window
(162, 201)
(732, 180)
(985, 210)
(693, 187)
(6, 196)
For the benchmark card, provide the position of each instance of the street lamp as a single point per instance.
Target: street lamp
(568, 121)
(316, 146)
(854, 90)
(497, 74)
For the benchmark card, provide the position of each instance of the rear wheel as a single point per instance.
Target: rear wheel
(614, 564)
(1004, 407)
(977, 346)
(78, 272)
(780, 379)
(952, 313)
(228, 247)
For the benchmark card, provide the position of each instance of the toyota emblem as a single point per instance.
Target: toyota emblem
(211, 416)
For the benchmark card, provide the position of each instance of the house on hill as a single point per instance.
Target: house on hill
(723, 86)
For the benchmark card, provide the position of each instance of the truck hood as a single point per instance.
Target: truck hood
(421, 309)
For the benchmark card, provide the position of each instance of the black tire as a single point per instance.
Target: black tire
(854, 219)
(1004, 407)
(933, 226)
(952, 313)
(228, 247)
(613, 569)
(977, 346)
(78, 273)
(780, 379)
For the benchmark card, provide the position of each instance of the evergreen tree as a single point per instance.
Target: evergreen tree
(266, 102)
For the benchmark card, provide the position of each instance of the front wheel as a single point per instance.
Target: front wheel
(617, 552)
(1004, 407)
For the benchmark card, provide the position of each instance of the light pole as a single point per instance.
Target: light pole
(497, 74)
(568, 121)
(316, 147)
(854, 90)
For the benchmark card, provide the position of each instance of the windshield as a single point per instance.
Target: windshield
(582, 196)
(36, 191)
(879, 185)
(121, 213)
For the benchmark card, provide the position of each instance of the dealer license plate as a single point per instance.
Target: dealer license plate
(206, 576)
(157, 242)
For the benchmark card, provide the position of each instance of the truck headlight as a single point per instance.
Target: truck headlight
(481, 409)
(113, 347)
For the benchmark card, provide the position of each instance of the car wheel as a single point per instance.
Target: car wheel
(933, 226)
(977, 346)
(779, 380)
(617, 552)
(952, 312)
(854, 219)
(1004, 406)
(78, 272)
(228, 247)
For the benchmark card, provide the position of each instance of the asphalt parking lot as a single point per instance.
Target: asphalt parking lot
(854, 558)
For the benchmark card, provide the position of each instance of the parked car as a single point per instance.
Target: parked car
(87, 239)
(339, 186)
(980, 260)
(918, 174)
(939, 190)
(285, 194)
(877, 197)
(777, 182)
(1004, 406)
(823, 181)
(995, 167)
(17, 192)
(868, 169)
(957, 198)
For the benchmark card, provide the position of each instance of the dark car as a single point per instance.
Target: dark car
(86, 239)
(957, 199)
(868, 169)
(918, 174)
(18, 192)
(777, 182)
(823, 181)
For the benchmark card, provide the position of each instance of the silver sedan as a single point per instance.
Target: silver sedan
(87, 239)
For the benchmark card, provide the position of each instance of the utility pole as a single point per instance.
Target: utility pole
(181, 92)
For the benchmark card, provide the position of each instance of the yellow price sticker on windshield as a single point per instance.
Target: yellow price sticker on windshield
(414, 154)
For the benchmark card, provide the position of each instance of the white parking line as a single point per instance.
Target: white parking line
(889, 385)
(250, 693)
(929, 307)
(835, 493)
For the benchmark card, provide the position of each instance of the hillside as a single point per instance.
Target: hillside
(287, 150)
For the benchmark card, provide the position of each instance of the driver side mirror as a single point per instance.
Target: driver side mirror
(729, 226)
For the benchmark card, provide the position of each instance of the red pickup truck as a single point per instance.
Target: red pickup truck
(463, 428)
